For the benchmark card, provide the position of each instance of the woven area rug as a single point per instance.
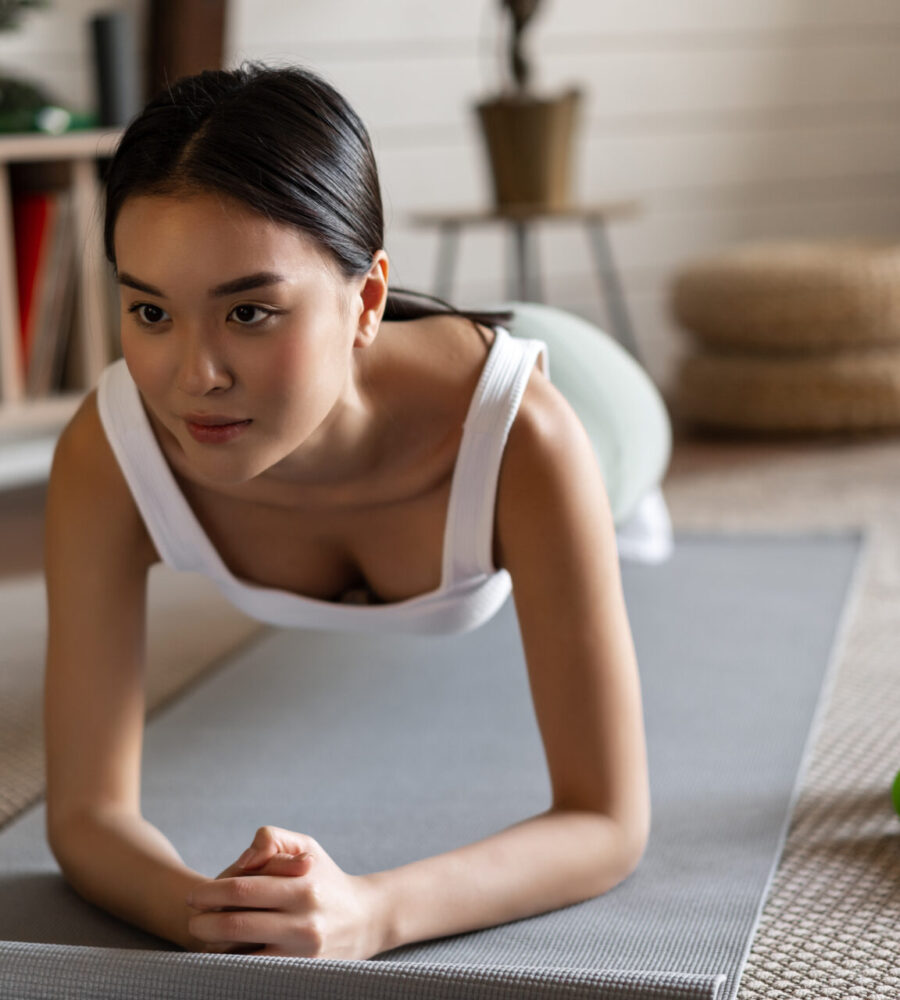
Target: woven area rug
(737, 638)
(189, 627)
(830, 927)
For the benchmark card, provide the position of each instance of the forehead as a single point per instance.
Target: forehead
(211, 231)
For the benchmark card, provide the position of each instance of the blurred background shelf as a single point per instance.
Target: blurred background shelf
(70, 163)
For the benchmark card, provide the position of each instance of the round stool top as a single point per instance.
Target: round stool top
(790, 296)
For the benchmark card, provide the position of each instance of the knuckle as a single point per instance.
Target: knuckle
(233, 924)
(242, 890)
(313, 893)
(314, 934)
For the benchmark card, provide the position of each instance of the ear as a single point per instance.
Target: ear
(371, 300)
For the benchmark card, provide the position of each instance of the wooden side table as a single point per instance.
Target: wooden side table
(523, 274)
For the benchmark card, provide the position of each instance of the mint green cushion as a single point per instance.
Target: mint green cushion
(615, 399)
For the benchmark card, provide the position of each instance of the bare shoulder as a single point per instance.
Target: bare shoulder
(548, 466)
(453, 344)
(88, 484)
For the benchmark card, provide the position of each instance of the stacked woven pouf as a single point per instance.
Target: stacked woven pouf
(791, 337)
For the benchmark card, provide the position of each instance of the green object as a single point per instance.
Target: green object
(27, 106)
(11, 11)
(895, 794)
(615, 399)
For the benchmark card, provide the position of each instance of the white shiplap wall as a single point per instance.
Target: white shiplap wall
(728, 120)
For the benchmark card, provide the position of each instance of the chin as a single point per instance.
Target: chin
(224, 470)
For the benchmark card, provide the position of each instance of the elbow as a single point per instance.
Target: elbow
(60, 836)
(64, 832)
(623, 847)
(635, 846)
(636, 834)
(633, 838)
(55, 832)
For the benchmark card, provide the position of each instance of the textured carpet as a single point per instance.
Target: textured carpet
(830, 927)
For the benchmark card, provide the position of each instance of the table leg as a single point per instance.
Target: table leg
(446, 262)
(526, 284)
(612, 287)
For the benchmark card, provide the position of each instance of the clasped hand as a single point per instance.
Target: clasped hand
(289, 898)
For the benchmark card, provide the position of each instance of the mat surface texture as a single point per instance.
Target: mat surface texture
(409, 746)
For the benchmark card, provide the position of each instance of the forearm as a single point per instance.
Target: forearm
(126, 866)
(542, 863)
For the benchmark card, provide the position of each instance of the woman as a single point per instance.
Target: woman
(333, 454)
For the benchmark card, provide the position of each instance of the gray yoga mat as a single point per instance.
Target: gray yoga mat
(407, 746)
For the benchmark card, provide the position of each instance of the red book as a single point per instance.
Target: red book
(33, 213)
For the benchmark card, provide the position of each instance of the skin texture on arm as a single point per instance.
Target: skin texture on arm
(95, 563)
(555, 536)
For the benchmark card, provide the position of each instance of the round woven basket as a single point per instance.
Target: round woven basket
(854, 390)
(789, 297)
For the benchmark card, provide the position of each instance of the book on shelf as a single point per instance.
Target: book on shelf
(46, 272)
(32, 220)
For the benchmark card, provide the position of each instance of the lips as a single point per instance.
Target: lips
(213, 420)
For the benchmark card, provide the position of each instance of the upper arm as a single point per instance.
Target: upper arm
(555, 536)
(95, 565)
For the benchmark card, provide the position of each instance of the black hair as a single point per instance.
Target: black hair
(284, 142)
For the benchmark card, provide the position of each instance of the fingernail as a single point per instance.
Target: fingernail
(248, 857)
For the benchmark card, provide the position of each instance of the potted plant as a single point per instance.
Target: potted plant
(528, 137)
(24, 104)
(11, 11)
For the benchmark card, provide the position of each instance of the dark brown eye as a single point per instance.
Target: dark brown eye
(152, 317)
(241, 312)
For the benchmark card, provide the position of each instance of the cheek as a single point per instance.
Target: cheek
(303, 375)
(146, 370)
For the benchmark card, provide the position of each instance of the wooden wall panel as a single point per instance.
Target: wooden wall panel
(729, 120)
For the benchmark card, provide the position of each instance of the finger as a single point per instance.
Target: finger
(286, 841)
(278, 864)
(265, 890)
(238, 927)
(256, 855)
(286, 864)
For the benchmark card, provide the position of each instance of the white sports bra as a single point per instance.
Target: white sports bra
(471, 590)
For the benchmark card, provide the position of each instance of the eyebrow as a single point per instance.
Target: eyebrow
(244, 284)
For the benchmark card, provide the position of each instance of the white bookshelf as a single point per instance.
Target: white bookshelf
(29, 427)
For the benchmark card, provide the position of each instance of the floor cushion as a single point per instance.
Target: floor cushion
(785, 297)
(849, 390)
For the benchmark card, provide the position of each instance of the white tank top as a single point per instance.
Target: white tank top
(471, 590)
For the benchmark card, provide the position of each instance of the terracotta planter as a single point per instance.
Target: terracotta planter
(529, 142)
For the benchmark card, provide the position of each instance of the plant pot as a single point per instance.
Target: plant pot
(529, 142)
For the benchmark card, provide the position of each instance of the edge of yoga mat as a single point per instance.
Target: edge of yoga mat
(139, 974)
(852, 599)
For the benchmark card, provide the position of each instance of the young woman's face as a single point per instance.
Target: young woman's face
(277, 354)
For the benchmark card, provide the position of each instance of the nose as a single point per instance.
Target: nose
(201, 365)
